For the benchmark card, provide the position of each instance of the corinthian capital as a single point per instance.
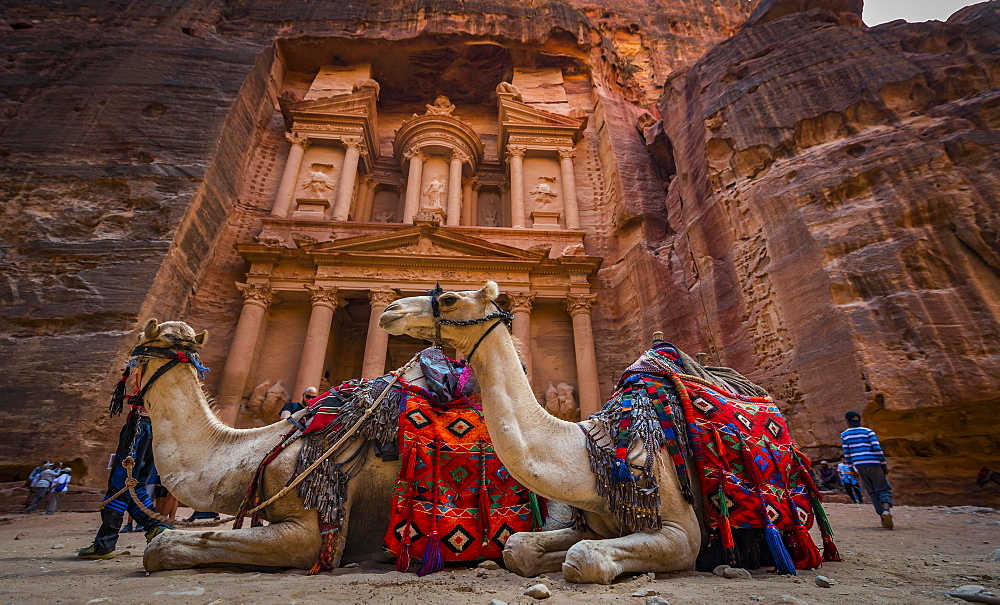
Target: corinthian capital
(516, 151)
(325, 296)
(580, 303)
(298, 138)
(256, 294)
(414, 153)
(382, 298)
(520, 301)
(566, 153)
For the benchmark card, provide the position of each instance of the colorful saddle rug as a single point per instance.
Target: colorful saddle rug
(454, 500)
(737, 446)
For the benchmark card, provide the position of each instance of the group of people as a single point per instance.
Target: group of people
(48, 482)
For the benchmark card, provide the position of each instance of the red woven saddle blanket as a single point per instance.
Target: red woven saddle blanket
(452, 490)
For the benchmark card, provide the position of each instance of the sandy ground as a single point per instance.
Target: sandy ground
(932, 549)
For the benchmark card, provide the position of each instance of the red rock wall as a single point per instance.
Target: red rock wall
(836, 217)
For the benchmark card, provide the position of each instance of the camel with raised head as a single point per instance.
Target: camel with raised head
(209, 466)
(549, 456)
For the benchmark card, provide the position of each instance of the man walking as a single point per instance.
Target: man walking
(863, 451)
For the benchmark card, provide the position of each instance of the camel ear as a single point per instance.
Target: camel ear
(201, 339)
(490, 291)
(151, 331)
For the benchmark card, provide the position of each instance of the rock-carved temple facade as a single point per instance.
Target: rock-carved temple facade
(371, 207)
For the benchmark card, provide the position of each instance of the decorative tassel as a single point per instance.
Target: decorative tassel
(830, 552)
(432, 545)
(403, 560)
(325, 560)
(621, 472)
(432, 555)
(484, 498)
(725, 527)
(118, 397)
(805, 555)
(537, 521)
(782, 561)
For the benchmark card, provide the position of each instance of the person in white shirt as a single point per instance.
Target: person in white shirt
(59, 486)
(41, 485)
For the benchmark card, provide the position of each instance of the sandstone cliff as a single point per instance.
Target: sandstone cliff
(835, 205)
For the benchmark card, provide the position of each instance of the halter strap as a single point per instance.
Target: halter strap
(501, 317)
(175, 356)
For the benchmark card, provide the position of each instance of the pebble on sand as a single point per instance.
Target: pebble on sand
(645, 592)
(657, 601)
(488, 564)
(823, 581)
(995, 555)
(732, 573)
(538, 591)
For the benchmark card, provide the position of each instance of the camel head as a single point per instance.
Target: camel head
(171, 335)
(414, 316)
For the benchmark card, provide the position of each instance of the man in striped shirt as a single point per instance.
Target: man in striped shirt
(863, 451)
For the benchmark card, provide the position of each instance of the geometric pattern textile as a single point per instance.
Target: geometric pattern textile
(451, 485)
(749, 471)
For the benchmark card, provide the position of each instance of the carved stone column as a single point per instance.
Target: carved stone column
(325, 301)
(370, 201)
(455, 190)
(516, 155)
(358, 206)
(348, 174)
(256, 299)
(520, 306)
(579, 306)
(468, 208)
(378, 339)
(413, 185)
(290, 177)
(571, 208)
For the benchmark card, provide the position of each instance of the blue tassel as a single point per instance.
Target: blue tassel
(432, 556)
(621, 472)
(782, 561)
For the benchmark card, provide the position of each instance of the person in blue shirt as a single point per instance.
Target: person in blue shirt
(863, 451)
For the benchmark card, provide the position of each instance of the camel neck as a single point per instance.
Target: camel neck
(195, 452)
(545, 454)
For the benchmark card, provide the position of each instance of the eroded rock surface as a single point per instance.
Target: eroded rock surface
(835, 204)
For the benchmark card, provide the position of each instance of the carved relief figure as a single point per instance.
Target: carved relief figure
(434, 194)
(490, 219)
(384, 217)
(567, 403)
(552, 400)
(318, 182)
(440, 107)
(543, 193)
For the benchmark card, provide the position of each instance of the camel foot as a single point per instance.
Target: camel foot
(522, 556)
(587, 563)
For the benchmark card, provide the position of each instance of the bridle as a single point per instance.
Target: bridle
(139, 355)
(501, 317)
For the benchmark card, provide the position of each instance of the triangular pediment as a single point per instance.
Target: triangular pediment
(423, 241)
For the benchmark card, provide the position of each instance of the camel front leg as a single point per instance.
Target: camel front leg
(293, 542)
(529, 554)
(671, 548)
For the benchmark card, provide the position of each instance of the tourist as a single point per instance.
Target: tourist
(863, 451)
(34, 473)
(850, 483)
(827, 476)
(41, 484)
(291, 407)
(59, 486)
(136, 440)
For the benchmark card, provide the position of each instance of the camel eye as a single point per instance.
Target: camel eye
(449, 299)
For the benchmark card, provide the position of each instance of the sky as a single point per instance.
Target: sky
(881, 11)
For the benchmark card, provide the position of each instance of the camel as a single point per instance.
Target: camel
(549, 456)
(208, 465)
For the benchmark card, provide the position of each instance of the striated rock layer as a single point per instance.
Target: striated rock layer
(835, 204)
(128, 168)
